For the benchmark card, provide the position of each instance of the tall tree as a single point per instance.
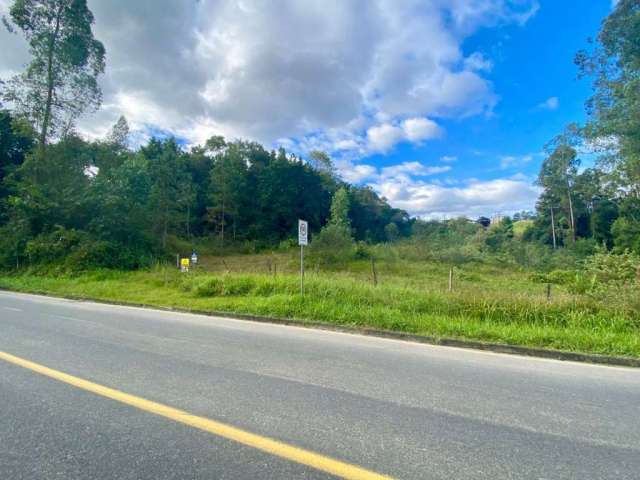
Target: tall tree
(169, 179)
(614, 115)
(557, 176)
(60, 82)
(119, 134)
(228, 188)
(340, 208)
(614, 109)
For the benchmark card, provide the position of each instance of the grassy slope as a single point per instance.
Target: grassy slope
(489, 304)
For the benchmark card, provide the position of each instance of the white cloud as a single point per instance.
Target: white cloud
(449, 159)
(551, 103)
(313, 72)
(405, 185)
(415, 169)
(475, 198)
(358, 173)
(419, 129)
(514, 161)
(477, 62)
(382, 138)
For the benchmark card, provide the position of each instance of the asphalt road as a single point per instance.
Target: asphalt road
(400, 409)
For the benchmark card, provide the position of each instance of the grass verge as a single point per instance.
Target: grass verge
(568, 323)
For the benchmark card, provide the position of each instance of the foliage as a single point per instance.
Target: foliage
(334, 244)
(60, 82)
(614, 269)
(16, 140)
(340, 208)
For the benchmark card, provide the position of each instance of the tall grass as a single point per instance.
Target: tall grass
(488, 303)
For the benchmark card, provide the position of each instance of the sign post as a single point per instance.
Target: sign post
(303, 240)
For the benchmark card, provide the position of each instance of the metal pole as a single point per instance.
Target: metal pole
(553, 228)
(302, 270)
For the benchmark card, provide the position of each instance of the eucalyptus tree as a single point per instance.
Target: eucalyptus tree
(614, 109)
(613, 124)
(60, 82)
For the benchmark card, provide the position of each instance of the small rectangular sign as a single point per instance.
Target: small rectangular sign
(184, 264)
(303, 232)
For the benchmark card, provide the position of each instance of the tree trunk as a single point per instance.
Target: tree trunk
(573, 222)
(188, 221)
(553, 228)
(50, 81)
(165, 227)
(222, 221)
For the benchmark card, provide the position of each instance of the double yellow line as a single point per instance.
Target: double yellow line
(265, 444)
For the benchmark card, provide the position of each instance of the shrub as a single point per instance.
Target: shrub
(332, 246)
(619, 269)
(54, 246)
(362, 251)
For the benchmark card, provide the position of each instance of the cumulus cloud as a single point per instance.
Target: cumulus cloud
(405, 171)
(311, 72)
(420, 129)
(449, 159)
(381, 138)
(477, 62)
(474, 198)
(514, 161)
(410, 186)
(358, 173)
(551, 103)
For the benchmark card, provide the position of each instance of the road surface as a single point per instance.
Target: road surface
(392, 408)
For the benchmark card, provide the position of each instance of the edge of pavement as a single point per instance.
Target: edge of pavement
(611, 360)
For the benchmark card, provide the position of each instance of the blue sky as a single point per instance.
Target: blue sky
(538, 91)
(442, 106)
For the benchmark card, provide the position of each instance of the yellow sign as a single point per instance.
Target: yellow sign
(184, 264)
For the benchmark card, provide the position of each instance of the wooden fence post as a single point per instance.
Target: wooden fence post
(374, 272)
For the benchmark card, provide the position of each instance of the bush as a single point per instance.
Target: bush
(556, 277)
(73, 250)
(618, 269)
(332, 246)
(54, 246)
(362, 251)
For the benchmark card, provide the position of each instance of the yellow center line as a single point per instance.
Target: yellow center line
(259, 442)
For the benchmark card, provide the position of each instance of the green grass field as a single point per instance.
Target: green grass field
(488, 303)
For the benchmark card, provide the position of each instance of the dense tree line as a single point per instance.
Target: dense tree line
(113, 206)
